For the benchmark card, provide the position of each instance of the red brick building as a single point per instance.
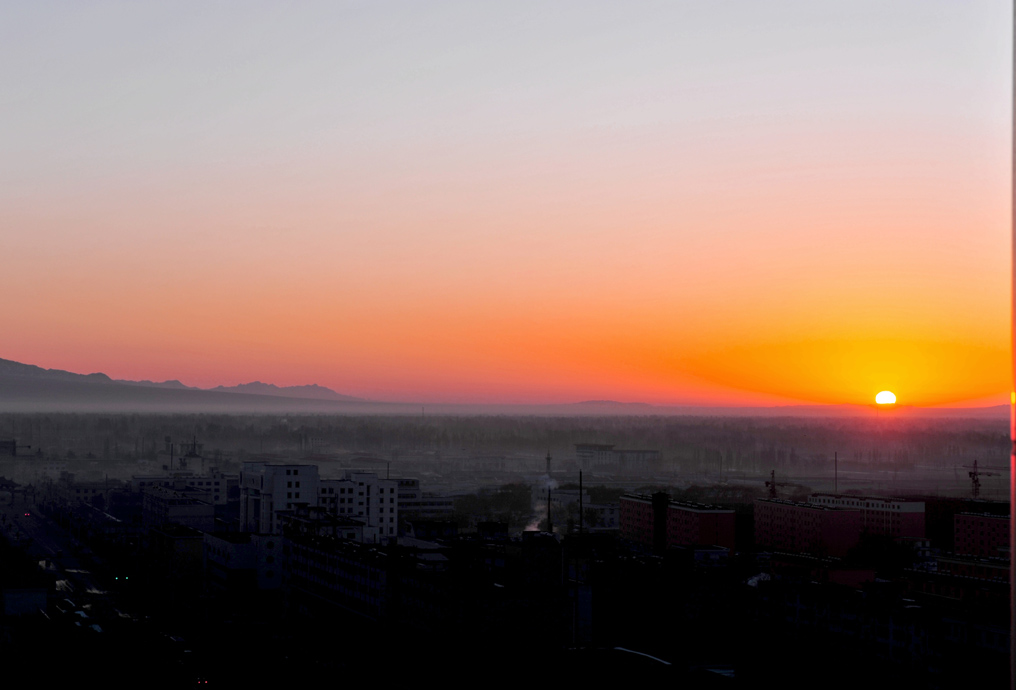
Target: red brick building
(889, 517)
(806, 527)
(660, 522)
(981, 534)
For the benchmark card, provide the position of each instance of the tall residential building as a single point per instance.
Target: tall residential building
(376, 502)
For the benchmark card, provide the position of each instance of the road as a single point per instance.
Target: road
(49, 544)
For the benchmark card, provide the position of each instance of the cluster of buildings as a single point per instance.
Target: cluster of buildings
(659, 522)
(593, 457)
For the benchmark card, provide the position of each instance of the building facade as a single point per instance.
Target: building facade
(889, 517)
(660, 522)
(268, 488)
(806, 527)
(606, 458)
(161, 506)
(981, 534)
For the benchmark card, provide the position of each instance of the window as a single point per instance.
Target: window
(289, 485)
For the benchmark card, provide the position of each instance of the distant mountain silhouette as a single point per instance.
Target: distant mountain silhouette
(612, 403)
(163, 384)
(28, 388)
(312, 391)
(17, 369)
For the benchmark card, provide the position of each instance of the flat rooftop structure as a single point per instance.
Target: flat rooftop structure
(684, 505)
(179, 531)
(174, 497)
(867, 501)
(798, 504)
(231, 537)
(325, 519)
(893, 499)
(353, 550)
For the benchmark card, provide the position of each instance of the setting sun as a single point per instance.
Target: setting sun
(885, 398)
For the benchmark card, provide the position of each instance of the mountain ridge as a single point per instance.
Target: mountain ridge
(312, 391)
(30, 388)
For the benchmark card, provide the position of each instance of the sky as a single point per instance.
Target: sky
(733, 203)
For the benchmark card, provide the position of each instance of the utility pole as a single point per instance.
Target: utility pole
(581, 521)
(550, 523)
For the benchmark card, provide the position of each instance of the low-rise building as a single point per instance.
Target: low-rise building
(240, 562)
(606, 458)
(810, 528)
(607, 516)
(660, 522)
(414, 503)
(267, 488)
(162, 506)
(981, 534)
(329, 573)
(890, 517)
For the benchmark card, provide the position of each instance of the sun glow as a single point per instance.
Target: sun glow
(885, 398)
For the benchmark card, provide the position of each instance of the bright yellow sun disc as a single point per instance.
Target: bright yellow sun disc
(885, 398)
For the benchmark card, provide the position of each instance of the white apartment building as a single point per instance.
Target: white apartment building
(366, 497)
(267, 488)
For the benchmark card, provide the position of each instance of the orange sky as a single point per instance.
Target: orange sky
(518, 211)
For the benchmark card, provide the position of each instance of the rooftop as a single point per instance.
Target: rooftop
(884, 499)
(810, 506)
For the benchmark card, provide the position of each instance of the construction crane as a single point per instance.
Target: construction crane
(975, 475)
(772, 484)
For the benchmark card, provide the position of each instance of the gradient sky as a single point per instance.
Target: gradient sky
(731, 203)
